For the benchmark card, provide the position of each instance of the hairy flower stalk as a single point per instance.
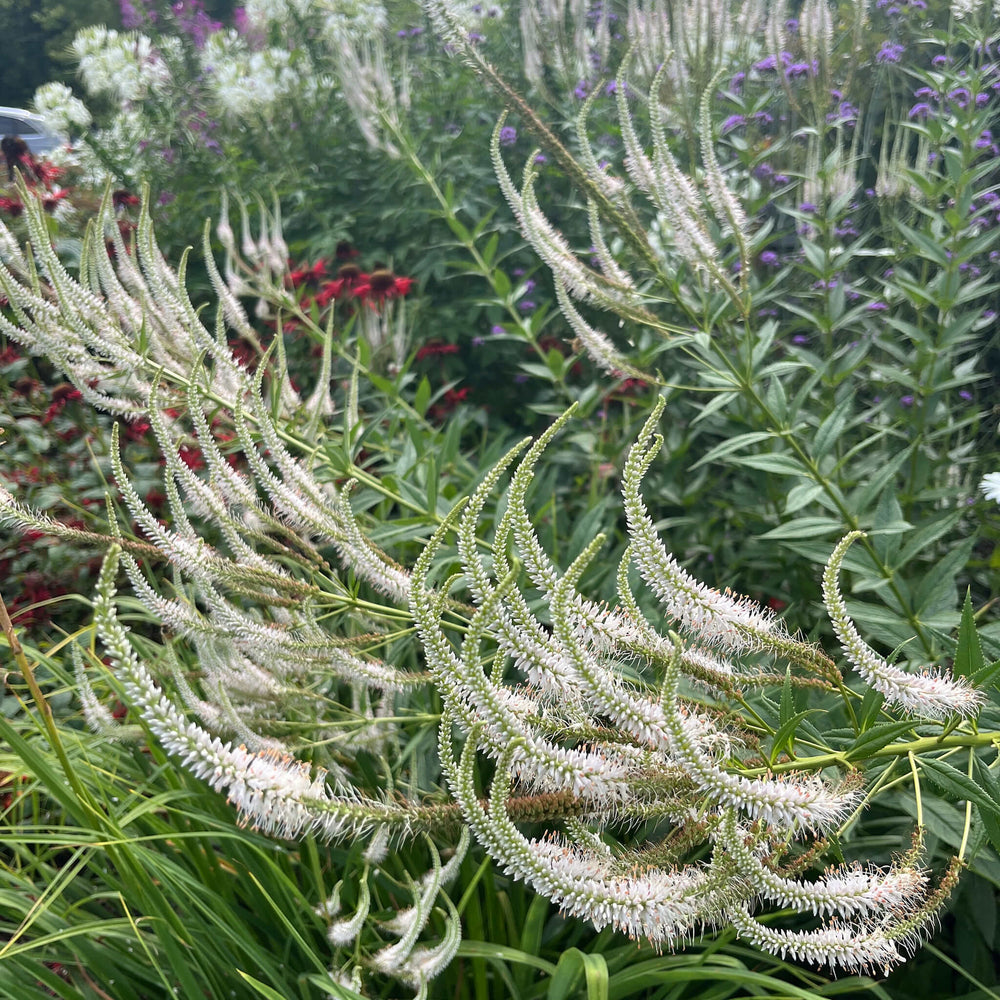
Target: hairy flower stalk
(563, 722)
(933, 694)
(271, 790)
(674, 758)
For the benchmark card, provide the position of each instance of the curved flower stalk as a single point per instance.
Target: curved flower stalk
(565, 40)
(130, 340)
(933, 694)
(270, 789)
(874, 945)
(712, 617)
(526, 681)
(583, 718)
(673, 194)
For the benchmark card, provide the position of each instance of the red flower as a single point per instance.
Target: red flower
(46, 172)
(448, 402)
(243, 354)
(12, 206)
(136, 430)
(123, 199)
(8, 357)
(330, 291)
(191, 457)
(349, 280)
(52, 198)
(381, 285)
(453, 397)
(434, 348)
(308, 275)
(61, 395)
(64, 392)
(345, 251)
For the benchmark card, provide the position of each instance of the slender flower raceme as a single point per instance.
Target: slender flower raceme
(518, 689)
(931, 693)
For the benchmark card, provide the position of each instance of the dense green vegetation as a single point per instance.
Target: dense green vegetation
(325, 682)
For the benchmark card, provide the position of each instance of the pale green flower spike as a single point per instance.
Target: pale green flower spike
(933, 694)
(659, 754)
(553, 709)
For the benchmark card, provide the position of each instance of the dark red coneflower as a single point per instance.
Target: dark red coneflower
(382, 285)
(12, 206)
(50, 200)
(434, 348)
(349, 278)
(123, 199)
(308, 275)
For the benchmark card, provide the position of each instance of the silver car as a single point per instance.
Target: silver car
(31, 128)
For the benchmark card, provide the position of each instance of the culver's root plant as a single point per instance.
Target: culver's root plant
(655, 764)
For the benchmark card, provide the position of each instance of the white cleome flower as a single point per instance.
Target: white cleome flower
(990, 486)
(63, 113)
(122, 65)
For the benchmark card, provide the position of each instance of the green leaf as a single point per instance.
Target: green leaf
(732, 444)
(557, 363)
(801, 495)
(804, 527)
(877, 737)
(432, 482)
(269, 993)
(785, 734)
(955, 783)
(830, 430)
(969, 654)
(871, 705)
(423, 396)
(931, 249)
(784, 465)
(489, 251)
(718, 402)
(503, 953)
(937, 589)
(991, 785)
(925, 535)
(532, 931)
(816, 257)
(787, 708)
(983, 677)
(458, 229)
(864, 496)
(571, 964)
(887, 526)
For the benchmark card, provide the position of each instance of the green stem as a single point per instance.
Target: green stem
(839, 758)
